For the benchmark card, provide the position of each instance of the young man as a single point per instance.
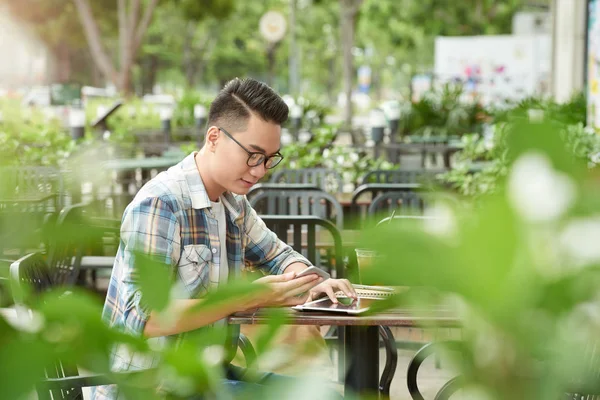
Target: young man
(195, 219)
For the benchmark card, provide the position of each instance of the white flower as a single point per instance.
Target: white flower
(340, 159)
(579, 240)
(537, 191)
(441, 221)
(25, 320)
(326, 153)
(354, 157)
(214, 354)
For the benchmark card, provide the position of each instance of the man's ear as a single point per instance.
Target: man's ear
(212, 137)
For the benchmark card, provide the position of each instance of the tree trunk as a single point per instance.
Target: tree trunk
(349, 10)
(92, 34)
(63, 63)
(271, 47)
(132, 28)
(149, 73)
(331, 80)
(189, 66)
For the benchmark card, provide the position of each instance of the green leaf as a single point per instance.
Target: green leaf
(155, 280)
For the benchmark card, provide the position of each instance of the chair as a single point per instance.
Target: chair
(375, 189)
(407, 202)
(279, 187)
(400, 176)
(66, 246)
(27, 196)
(24, 179)
(449, 388)
(329, 180)
(299, 202)
(62, 379)
(300, 232)
(308, 245)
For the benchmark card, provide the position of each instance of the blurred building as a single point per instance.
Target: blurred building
(26, 61)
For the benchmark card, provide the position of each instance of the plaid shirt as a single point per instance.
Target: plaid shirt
(171, 218)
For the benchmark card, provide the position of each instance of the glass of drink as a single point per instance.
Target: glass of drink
(365, 259)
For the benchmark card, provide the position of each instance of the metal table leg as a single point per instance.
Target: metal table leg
(362, 356)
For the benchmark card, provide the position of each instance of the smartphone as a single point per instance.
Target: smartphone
(314, 270)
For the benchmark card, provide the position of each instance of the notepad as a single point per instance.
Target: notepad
(373, 292)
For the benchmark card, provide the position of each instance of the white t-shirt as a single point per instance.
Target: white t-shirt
(220, 269)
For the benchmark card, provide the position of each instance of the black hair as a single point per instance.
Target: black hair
(240, 98)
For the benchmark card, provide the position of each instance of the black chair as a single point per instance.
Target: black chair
(28, 195)
(327, 179)
(66, 246)
(304, 240)
(400, 176)
(299, 202)
(401, 202)
(279, 187)
(62, 379)
(300, 232)
(429, 349)
(360, 212)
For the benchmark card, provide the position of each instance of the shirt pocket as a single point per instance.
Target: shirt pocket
(194, 267)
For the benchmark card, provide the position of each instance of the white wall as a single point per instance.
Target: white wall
(568, 45)
(24, 57)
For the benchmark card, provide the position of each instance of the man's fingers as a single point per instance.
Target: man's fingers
(297, 300)
(277, 278)
(303, 288)
(331, 294)
(346, 287)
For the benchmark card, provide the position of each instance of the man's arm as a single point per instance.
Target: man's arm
(182, 318)
(263, 250)
(279, 290)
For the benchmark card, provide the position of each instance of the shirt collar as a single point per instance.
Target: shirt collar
(198, 194)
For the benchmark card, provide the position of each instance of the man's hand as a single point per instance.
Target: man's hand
(330, 286)
(283, 290)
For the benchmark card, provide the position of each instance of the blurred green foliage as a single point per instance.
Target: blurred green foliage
(518, 271)
(441, 112)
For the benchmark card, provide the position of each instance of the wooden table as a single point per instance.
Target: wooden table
(361, 336)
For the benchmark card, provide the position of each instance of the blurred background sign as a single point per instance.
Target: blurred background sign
(272, 26)
(64, 94)
(364, 78)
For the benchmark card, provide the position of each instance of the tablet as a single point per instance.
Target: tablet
(346, 305)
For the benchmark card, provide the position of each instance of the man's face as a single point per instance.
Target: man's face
(230, 168)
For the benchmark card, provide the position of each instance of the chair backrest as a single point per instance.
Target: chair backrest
(33, 271)
(399, 176)
(299, 202)
(405, 201)
(66, 245)
(24, 179)
(400, 218)
(374, 189)
(279, 187)
(327, 179)
(300, 232)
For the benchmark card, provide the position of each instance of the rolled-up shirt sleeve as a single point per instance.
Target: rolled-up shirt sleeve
(149, 228)
(263, 250)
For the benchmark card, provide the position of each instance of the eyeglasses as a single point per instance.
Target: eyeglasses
(257, 158)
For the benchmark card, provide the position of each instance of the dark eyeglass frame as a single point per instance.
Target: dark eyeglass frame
(253, 153)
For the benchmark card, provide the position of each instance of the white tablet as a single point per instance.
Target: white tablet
(346, 305)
